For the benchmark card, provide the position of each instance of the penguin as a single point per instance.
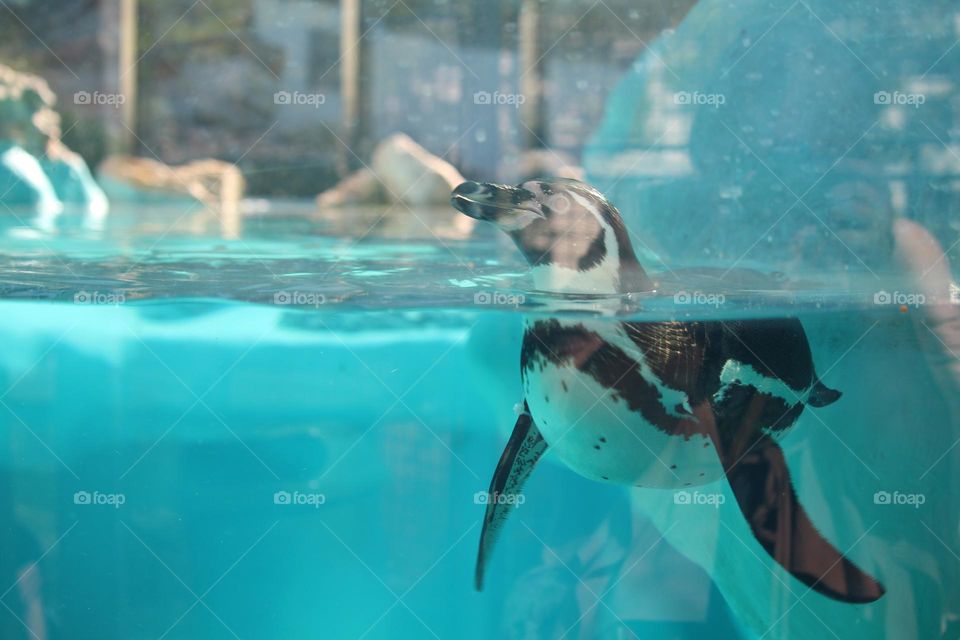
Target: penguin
(659, 404)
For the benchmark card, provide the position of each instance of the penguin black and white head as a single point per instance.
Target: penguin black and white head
(572, 237)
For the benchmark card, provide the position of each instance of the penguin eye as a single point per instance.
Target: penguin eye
(559, 203)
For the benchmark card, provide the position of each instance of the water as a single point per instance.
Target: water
(189, 456)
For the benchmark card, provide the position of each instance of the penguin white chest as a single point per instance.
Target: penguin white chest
(592, 429)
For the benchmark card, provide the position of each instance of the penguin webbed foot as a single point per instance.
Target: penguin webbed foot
(760, 480)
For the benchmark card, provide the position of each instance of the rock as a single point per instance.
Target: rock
(73, 182)
(413, 175)
(25, 189)
(218, 185)
(359, 188)
(401, 172)
(42, 175)
(209, 181)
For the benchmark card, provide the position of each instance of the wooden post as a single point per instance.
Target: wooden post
(128, 79)
(531, 64)
(351, 23)
(118, 43)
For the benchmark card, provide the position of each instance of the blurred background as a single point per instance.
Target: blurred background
(766, 133)
(297, 93)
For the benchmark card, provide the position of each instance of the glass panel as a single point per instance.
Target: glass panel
(305, 304)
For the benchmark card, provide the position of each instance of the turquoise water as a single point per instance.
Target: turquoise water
(186, 455)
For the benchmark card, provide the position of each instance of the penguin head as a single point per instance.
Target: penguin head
(572, 237)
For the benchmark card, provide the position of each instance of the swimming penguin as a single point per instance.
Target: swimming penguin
(653, 404)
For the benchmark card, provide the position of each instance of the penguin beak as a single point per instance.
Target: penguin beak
(510, 208)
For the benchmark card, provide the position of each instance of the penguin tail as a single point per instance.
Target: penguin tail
(822, 395)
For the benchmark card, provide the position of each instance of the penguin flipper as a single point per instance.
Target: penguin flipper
(520, 456)
(761, 482)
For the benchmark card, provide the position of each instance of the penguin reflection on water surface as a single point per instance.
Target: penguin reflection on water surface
(653, 404)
